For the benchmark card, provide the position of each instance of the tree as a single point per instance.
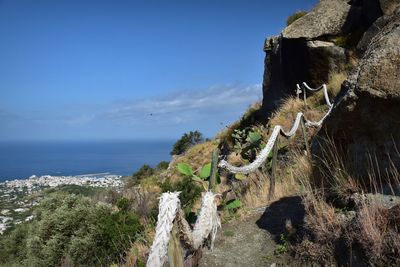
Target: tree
(186, 141)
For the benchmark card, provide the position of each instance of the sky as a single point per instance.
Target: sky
(131, 69)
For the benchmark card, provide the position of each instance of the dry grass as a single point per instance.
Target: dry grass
(322, 218)
(335, 83)
(196, 157)
(334, 86)
(286, 116)
(143, 200)
(287, 184)
(372, 225)
(136, 256)
(257, 195)
(364, 225)
(247, 119)
(377, 232)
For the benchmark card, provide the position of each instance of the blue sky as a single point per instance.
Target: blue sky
(131, 69)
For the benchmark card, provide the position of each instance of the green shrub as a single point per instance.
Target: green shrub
(186, 141)
(143, 172)
(75, 189)
(292, 18)
(70, 229)
(13, 245)
(123, 204)
(163, 165)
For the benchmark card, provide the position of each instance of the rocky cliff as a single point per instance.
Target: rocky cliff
(361, 39)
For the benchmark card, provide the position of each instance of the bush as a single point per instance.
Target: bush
(143, 172)
(163, 165)
(292, 18)
(186, 141)
(71, 230)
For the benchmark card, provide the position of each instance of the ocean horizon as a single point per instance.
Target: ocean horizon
(22, 159)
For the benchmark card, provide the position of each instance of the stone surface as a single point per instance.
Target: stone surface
(329, 17)
(292, 61)
(389, 7)
(325, 58)
(372, 31)
(365, 124)
(379, 70)
(303, 52)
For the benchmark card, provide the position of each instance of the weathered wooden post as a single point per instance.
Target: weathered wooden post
(271, 192)
(304, 130)
(298, 91)
(214, 170)
(305, 96)
(175, 252)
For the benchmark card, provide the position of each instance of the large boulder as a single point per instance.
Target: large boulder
(379, 70)
(325, 58)
(375, 28)
(306, 50)
(365, 124)
(292, 61)
(389, 7)
(329, 17)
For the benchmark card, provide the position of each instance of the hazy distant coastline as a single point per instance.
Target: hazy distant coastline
(20, 160)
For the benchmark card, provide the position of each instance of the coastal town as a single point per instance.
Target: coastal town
(16, 196)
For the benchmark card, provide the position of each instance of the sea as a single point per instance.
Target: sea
(20, 160)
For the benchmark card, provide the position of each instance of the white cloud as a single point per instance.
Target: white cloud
(170, 115)
(183, 106)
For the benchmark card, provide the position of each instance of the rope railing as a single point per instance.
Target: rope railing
(278, 129)
(206, 226)
(168, 207)
(171, 222)
(323, 87)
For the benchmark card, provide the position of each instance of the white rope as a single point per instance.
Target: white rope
(258, 161)
(262, 157)
(318, 123)
(206, 225)
(169, 205)
(207, 222)
(294, 127)
(323, 87)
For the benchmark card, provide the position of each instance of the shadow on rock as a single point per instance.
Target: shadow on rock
(276, 216)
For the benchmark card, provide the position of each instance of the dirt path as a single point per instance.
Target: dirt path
(253, 241)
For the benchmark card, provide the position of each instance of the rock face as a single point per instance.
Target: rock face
(379, 70)
(366, 122)
(367, 37)
(389, 7)
(292, 61)
(319, 22)
(366, 119)
(306, 49)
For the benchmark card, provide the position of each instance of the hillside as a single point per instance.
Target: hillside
(325, 192)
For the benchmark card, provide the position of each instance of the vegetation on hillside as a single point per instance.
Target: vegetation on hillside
(186, 141)
(71, 230)
(295, 16)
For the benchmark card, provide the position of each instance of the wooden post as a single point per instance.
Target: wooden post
(298, 91)
(305, 96)
(214, 169)
(175, 253)
(271, 192)
(304, 130)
